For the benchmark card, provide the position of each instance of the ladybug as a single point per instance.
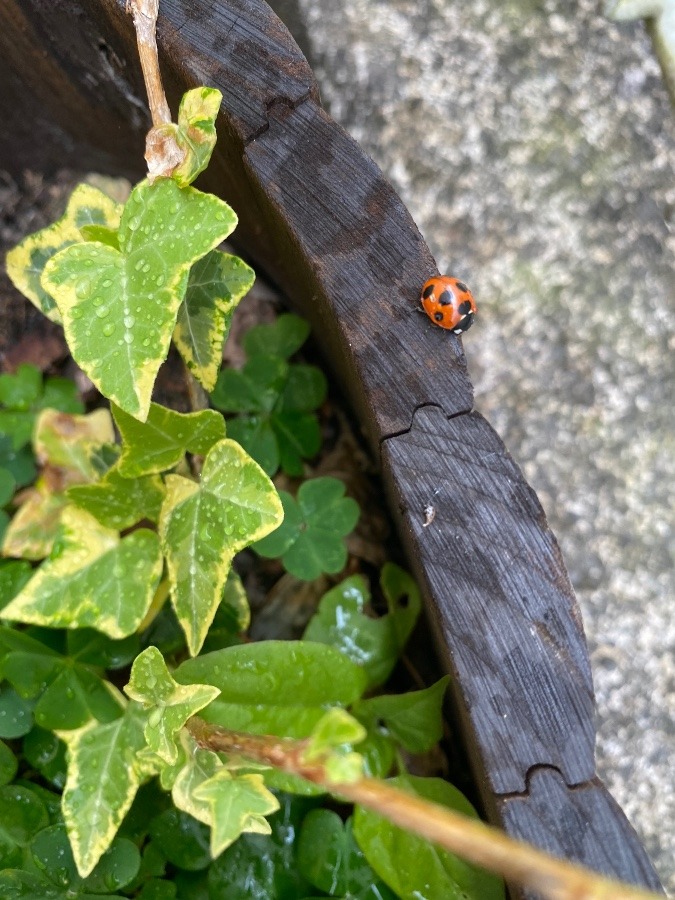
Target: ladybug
(448, 303)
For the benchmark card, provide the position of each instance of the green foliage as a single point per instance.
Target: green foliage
(274, 400)
(310, 539)
(412, 867)
(374, 643)
(114, 527)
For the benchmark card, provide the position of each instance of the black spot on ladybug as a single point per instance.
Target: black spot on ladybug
(428, 292)
(464, 308)
(438, 316)
(464, 324)
(446, 298)
(462, 287)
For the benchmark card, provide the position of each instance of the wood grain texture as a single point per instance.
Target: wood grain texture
(499, 593)
(319, 217)
(584, 823)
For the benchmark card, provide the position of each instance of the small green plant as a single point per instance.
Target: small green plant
(274, 400)
(114, 527)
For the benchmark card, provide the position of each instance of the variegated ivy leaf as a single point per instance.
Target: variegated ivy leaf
(119, 306)
(33, 530)
(68, 442)
(93, 579)
(199, 766)
(161, 442)
(171, 704)
(119, 502)
(26, 262)
(203, 525)
(239, 803)
(216, 285)
(195, 132)
(104, 773)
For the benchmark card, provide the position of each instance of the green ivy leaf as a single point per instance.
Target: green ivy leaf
(104, 773)
(239, 803)
(171, 704)
(92, 579)
(161, 442)
(118, 502)
(414, 868)
(203, 525)
(216, 284)
(413, 719)
(373, 643)
(310, 540)
(54, 858)
(119, 307)
(22, 815)
(27, 261)
(282, 338)
(330, 858)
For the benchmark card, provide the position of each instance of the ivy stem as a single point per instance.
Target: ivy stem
(475, 841)
(162, 151)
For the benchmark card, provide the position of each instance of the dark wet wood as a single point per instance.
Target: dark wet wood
(584, 822)
(318, 216)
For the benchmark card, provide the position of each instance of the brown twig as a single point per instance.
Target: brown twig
(473, 840)
(162, 151)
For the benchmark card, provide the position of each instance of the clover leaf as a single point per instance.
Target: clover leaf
(273, 399)
(310, 539)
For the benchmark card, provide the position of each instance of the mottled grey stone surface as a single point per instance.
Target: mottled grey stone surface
(533, 143)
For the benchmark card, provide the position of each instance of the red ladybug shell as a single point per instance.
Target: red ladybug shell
(449, 303)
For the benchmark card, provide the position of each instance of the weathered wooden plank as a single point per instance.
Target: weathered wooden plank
(498, 591)
(341, 232)
(583, 823)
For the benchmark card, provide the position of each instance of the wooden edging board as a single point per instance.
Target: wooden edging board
(318, 216)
